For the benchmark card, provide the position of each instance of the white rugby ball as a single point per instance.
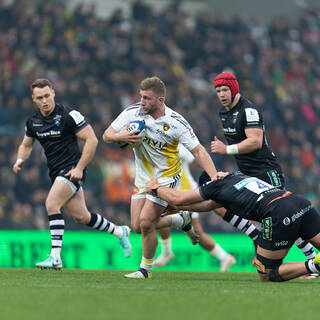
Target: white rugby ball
(134, 125)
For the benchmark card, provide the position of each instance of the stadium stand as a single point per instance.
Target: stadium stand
(96, 64)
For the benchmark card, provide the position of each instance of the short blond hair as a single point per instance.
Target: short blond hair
(155, 84)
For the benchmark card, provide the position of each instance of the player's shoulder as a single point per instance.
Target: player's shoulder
(249, 110)
(34, 117)
(176, 118)
(245, 103)
(63, 109)
(134, 108)
(70, 113)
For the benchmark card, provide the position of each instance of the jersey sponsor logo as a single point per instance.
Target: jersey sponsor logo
(266, 228)
(300, 213)
(252, 115)
(274, 178)
(286, 221)
(244, 182)
(254, 185)
(155, 144)
(229, 130)
(37, 124)
(166, 127)
(50, 133)
(235, 114)
(76, 116)
(158, 131)
(282, 243)
(57, 119)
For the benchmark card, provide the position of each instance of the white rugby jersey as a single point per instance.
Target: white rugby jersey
(187, 180)
(158, 155)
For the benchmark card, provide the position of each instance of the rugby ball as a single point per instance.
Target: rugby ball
(134, 125)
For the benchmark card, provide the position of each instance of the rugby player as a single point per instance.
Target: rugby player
(284, 217)
(226, 260)
(244, 131)
(156, 156)
(58, 128)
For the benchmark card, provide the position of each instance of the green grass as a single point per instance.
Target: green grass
(105, 294)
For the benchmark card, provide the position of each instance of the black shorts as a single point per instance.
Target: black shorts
(62, 173)
(286, 220)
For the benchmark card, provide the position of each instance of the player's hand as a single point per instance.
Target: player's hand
(218, 147)
(18, 165)
(150, 184)
(170, 209)
(74, 174)
(129, 137)
(220, 175)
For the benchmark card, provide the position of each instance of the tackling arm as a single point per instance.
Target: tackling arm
(184, 199)
(203, 206)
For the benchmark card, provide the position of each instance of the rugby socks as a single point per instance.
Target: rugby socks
(219, 253)
(100, 223)
(146, 264)
(177, 221)
(243, 225)
(312, 267)
(306, 248)
(166, 246)
(56, 225)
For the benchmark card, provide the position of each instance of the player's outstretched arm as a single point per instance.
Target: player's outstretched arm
(24, 152)
(173, 196)
(202, 206)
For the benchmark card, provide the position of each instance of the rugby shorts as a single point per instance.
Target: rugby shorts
(170, 182)
(286, 220)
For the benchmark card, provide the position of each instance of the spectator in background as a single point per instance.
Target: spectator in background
(92, 61)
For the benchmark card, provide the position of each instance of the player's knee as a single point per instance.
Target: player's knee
(274, 275)
(146, 225)
(52, 207)
(271, 275)
(268, 269)
(136, 227)
(264, 277)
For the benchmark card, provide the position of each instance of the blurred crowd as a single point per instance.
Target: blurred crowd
(96, 65)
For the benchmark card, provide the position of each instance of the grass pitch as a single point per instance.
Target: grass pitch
(104, 294)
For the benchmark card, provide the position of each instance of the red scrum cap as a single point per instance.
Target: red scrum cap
(229, 80)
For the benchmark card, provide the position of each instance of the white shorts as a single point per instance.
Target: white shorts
(74, 188)
(170, 182)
